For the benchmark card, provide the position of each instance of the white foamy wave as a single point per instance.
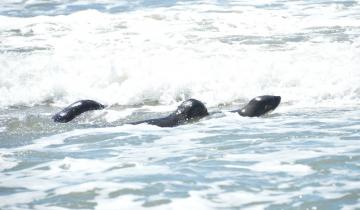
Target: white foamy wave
(217, 54)
(291, 160)
(6, 163)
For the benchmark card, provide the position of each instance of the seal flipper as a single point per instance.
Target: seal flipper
(188, 111)
(259, 106)
(75, 109)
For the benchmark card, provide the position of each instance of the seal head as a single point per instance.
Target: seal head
(188, 111)
(259, 106)
(75, 109)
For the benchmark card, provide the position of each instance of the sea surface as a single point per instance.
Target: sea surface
(142, 59)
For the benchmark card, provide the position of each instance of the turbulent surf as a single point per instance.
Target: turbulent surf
(142, 59)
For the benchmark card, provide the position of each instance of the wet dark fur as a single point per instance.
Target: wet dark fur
(259, 106)
(75, 109)
(188, 111)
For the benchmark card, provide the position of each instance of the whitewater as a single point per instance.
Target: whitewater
(142, 59)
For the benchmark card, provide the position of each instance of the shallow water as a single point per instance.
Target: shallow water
(142, 58)
(301, 159)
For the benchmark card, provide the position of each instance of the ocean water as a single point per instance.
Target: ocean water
(141, 59)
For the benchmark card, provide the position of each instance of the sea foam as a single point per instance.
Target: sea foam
(217, 54)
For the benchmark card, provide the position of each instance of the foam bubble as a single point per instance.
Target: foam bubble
(277, 167)
(6, 163)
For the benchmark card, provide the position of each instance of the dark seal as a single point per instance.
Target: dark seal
(75, 109)
(189, 111)
(259, 106)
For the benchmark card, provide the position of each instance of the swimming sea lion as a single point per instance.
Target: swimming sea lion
(259, 106)
(188, 111)
(75, 109)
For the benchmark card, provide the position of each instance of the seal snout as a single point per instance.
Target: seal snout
(277, 100)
